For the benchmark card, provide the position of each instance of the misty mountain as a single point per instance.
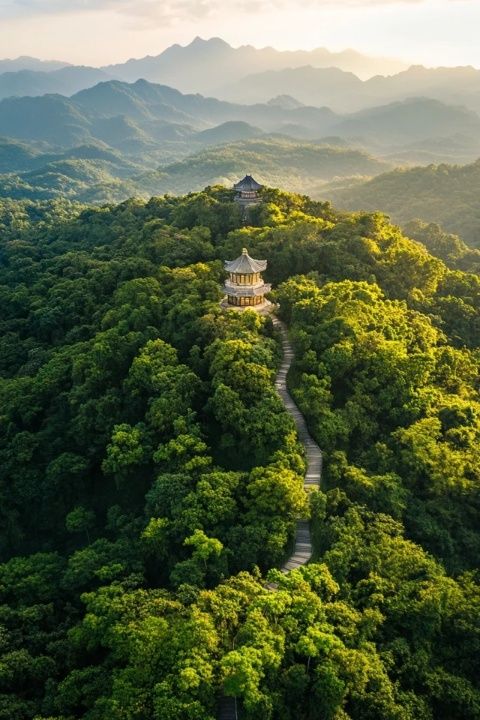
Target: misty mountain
(16, 156)
(26, 62)
(50, 118)
(203, 66)
(331, 86)
(414, 120)
(206, 65)
(159, 123)
(228, 132)
(454, 85)
(143, 111)
(65, 81)
(255, 76)
(345, 92)
(150, 102)
(287, 102)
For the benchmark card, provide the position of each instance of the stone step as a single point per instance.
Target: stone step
(227, 709)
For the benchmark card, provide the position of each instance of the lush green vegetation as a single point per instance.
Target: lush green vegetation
(98, 174)
(150, 476)
(444, 194)
(291, 164)
(449, 248)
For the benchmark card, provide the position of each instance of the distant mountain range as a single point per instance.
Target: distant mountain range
(25, 62)
(141, 117)
(64, 81)
(202, 66)
(85, 134)
(207, 65)
(345, 92)
(130, 116)
(345, 82)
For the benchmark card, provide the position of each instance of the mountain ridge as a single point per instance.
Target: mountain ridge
(65, 121)
(444, 193)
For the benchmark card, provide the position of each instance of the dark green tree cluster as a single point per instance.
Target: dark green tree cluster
(445, 194)
(151, 478)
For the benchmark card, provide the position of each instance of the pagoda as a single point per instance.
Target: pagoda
(244, 286)
(247, 191)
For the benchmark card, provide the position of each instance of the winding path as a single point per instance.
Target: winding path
(302, 552)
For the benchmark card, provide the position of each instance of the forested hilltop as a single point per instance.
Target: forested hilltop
(445, 194)
(151, 478)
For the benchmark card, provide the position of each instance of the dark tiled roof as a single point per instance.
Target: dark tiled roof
(248, 184)
(245, 264)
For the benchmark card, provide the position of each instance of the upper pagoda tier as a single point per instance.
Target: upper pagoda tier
(247, 192)
(245, 265)
(248, 184)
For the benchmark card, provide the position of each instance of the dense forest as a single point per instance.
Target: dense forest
(97, 173)
(151, 478)
(445, 194)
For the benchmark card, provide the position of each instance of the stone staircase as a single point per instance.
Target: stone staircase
(228, 708)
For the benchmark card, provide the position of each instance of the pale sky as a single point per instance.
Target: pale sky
(96, 32)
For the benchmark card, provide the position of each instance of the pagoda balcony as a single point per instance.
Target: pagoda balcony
(234, 286)
(246, 290)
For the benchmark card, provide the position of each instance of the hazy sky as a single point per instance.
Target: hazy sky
(432, 32)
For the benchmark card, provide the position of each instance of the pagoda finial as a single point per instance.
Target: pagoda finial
(244, 251)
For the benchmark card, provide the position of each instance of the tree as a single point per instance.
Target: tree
(80, 520)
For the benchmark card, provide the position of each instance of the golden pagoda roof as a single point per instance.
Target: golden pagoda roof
(245, 265)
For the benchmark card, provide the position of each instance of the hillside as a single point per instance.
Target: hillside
(296, 166)
(65, 121)
(228, 132)
(445, 194)
(152, 477)
(446, 246)
(418, 120)
(97, 173)
(87, 172)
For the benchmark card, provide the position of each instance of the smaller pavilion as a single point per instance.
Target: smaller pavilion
(244, 286)
(247, 191)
